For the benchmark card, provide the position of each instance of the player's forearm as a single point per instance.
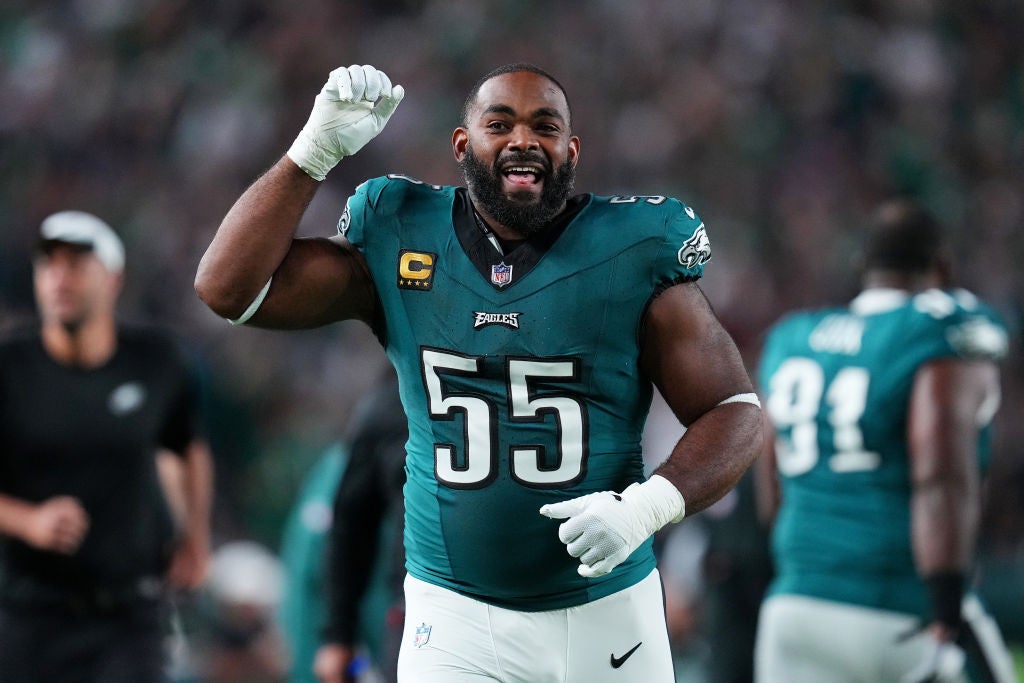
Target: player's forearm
(767, 491)
(713, 454)
(943, 435)
(198, 483)
(15, 516)
(351, 555)
(197, 489)
(944, 519)
(348, 576)
(253, 239)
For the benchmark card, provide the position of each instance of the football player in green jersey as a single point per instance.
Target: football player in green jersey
(880, 412)
(528, 328)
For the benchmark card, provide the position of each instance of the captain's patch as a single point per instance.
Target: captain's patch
(416, 269)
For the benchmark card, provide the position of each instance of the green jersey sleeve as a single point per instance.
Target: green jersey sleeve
(685, 247)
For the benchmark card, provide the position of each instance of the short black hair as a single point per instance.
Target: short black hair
(515, 67)
(904, 237)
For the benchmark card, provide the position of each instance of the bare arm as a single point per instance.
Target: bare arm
(58, 524)
(943, 421)
(767, 490)
(943, 434)
(943, 424)
(315, 280)
(695, 364)
(191, 558)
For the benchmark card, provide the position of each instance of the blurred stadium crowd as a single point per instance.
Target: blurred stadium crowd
(783, 122)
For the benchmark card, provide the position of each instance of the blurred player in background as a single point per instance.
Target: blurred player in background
(881, 413)
(527, 327)
(87, 406)
(240, 639)
(303, 542)
(342, 550)
(368, 511)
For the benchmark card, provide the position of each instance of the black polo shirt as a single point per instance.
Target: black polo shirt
(93, 434)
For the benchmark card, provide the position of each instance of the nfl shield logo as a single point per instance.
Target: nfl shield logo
(422, 635)
(501, 274)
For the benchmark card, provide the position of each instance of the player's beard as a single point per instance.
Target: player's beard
(522, 215)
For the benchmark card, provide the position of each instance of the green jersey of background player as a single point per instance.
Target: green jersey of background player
(881, 412)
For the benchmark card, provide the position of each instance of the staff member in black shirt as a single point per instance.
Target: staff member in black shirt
(87, 406)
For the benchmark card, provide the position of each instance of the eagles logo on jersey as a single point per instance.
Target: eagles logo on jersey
(344, 222)
(696, 251)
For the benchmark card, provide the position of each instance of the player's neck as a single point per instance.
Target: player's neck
(89, 345)
(910, 282)
(506, 238)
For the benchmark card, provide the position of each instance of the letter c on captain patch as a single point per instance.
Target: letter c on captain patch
(416, 269)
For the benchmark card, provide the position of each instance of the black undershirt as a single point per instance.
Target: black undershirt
(523, 255)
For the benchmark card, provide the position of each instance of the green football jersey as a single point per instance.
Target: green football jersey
(519, 374)
(838, 384)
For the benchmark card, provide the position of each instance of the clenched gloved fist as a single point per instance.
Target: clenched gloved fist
(351, 109)
(604, 528)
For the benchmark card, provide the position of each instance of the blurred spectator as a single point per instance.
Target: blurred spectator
(240, 640)
(92, 543)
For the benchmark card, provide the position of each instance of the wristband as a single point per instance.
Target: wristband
(750, 398)
(254, 306)
(946, 591)
(307, 154)
(660, 499)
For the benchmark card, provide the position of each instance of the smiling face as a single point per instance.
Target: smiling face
(517, 153)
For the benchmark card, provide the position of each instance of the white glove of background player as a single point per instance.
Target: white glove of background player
(351, 109)
(604, 528)
(943, 662)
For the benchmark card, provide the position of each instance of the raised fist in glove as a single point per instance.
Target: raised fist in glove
(351, 109)
(603, 529)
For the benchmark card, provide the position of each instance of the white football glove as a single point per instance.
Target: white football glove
(350, 110)
(604, 528)
(943, 662)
